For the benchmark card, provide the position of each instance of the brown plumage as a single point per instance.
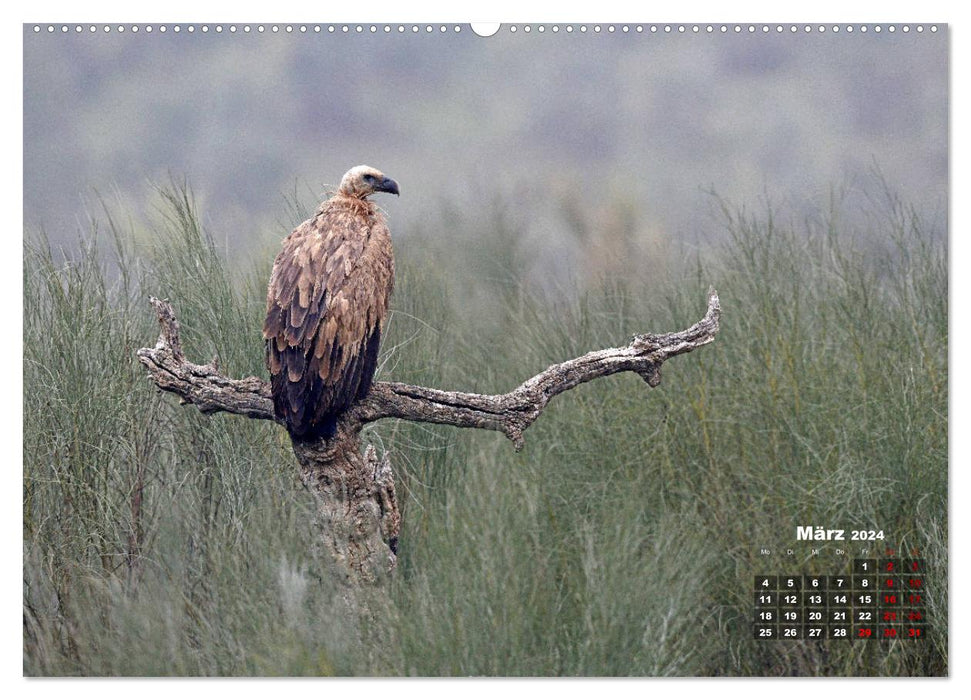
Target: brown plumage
(326, 304)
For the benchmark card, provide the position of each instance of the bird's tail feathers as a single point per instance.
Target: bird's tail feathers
(323, 429)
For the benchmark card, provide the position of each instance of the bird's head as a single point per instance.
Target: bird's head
(363, 180)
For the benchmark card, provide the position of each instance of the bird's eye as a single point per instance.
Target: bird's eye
(369, 178)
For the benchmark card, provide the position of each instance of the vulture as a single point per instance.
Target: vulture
(325, 307)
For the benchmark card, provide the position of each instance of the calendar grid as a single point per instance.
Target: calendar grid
(879, 599)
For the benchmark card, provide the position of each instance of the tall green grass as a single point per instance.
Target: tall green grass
(624, 538)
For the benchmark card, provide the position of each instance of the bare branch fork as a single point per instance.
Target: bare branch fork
(511, 413)
(357, 511)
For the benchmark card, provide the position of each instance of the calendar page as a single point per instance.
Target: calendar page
(435, 349)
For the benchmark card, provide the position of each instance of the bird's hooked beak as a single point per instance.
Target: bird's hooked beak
(387, 185)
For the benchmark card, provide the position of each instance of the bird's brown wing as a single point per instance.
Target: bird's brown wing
(326, 302)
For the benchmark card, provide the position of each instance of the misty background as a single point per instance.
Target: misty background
(561, 131)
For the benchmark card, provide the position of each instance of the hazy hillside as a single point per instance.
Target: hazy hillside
(646, 120)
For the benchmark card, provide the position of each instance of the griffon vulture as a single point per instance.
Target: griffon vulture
(326, 304)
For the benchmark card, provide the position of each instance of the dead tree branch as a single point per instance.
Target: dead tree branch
(202, 385)
(511, 413)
